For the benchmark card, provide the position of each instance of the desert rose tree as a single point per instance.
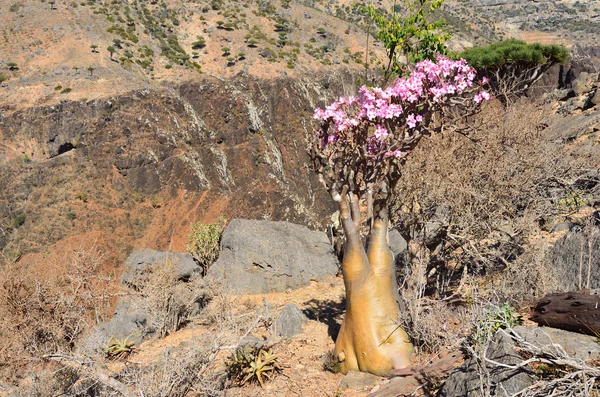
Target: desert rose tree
(358, 154)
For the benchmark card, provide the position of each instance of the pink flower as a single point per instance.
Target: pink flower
(381, 132)
(481, 96)
(412, 120)
(484, 81)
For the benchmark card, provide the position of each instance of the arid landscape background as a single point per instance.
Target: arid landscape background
(124, 123)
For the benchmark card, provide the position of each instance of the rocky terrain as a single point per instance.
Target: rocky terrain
(567, 22)
(123, 123)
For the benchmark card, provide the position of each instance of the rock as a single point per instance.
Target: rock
(141, 261)
(290, 321)
(128, 322)
(579, 102)
(466, 380)
(359, 380)
(594, 99)
(584, 347)
(267, 53)
(7, 390)
(563, 94)
(565, 256)
(262, 256)
(398, 244)
(251, 341)
(562, 227)
(583, 84)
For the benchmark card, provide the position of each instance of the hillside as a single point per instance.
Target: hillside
(125, 122)
(166, 43)
(60, 48)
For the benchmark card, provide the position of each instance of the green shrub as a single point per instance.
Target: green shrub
(513, 66)
(199, 43)
(203, 242)
(495, 319)
(18, 220)
(514, 51)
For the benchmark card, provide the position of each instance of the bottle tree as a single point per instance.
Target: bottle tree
(358, 153)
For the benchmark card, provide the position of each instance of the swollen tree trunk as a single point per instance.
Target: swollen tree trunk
(370, 339)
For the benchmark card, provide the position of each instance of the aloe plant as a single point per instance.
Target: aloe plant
(248, 365)
(120, 348)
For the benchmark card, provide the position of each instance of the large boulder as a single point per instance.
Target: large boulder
(501, 381)
(143, 261)
(129, 322)
(583, 347)
(263, 256)
(567, 254)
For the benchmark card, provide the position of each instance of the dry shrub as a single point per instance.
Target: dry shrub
(477, 201)
(189, 371)
(43, 313)
(471, 209)
(170, 302)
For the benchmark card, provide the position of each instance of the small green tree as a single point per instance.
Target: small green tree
(513, 66)
(199, 43)
(412, 34)
(203, 242)
(12, 66)
(91, 70)
(111, 50)
(94, 48)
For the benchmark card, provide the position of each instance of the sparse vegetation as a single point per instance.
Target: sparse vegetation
(203, 242)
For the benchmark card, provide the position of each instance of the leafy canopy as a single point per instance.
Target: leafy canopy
(409, 31)
(514, 51)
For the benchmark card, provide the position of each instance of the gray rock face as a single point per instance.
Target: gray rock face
(465, 380)
(398, 244)
(583, 83)
(262, 256)
(7, 390)
(290, 321)
(141, 261)
(566, 255)
(126, 323)
(584, 347)
(595, 98)
(251, 341)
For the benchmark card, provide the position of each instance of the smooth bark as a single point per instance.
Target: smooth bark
(370, 339)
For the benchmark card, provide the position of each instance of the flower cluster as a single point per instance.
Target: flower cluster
(380, 120)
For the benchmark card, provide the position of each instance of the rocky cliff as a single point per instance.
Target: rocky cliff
(139, 169)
